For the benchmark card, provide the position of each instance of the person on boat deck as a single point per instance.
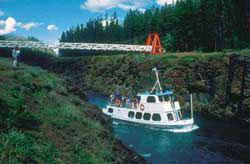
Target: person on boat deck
(128, 101)
(138, 99)
(124, 100)
(112, 98)
(118, 99)
(134, 103)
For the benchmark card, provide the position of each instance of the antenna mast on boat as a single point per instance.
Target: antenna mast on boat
(157, 85)
(191, 104)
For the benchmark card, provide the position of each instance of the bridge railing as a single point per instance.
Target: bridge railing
(76, 46)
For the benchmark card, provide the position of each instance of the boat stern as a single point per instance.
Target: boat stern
(106, 110)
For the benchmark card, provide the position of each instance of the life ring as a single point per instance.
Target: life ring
(118, 102)
(142, 107)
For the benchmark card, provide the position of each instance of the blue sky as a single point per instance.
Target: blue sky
(46, 19)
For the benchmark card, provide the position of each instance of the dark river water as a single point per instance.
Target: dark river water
(210, 142)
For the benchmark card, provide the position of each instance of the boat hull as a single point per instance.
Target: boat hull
(121, 114)
(166, 126)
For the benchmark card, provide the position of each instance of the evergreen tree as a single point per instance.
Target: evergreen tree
(208, 25)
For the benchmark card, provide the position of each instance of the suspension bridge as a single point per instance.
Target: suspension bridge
(153, 45)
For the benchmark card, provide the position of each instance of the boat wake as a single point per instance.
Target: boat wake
(130, 145)
(174, 130)
(115, 123)
(145, 155)
(178, 130)
(184, 130)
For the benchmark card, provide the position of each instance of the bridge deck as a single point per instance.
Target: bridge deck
(76, 46)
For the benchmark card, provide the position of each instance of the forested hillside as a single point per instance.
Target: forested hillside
(204, 25)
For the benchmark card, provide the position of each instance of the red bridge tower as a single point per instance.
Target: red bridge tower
(154, 41)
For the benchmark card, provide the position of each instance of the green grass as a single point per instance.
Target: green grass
(41, 122)
(17, 147)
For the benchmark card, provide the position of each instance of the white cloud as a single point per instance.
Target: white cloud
(2, 22)
(9, 26)
(52, 27)
(102, 5)
(163, 2)
(28, 26)
(142, 10)
(1, 13)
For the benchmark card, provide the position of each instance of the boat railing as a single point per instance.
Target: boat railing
(124, 103)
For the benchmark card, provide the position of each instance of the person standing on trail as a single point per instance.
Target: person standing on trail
(15, 55)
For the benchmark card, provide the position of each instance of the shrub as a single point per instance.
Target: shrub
(15, 147)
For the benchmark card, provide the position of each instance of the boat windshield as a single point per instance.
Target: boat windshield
(167, 98)
(164, 98)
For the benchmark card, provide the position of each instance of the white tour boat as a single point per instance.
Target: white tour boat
(156, 108)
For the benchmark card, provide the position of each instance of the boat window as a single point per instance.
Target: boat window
(161, 98)
(166, 98)
(110, 110)
(156, 117)
(138, 115)
(131, 114)
(170, 117)
(146, 116)
(151, 99)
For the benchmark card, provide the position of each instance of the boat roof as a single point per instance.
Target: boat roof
(165, 93)
(159, 93)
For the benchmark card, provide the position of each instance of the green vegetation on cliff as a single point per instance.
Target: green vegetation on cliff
(40, 121)
(207, 75)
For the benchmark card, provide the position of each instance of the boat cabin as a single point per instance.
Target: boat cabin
(151, 105)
